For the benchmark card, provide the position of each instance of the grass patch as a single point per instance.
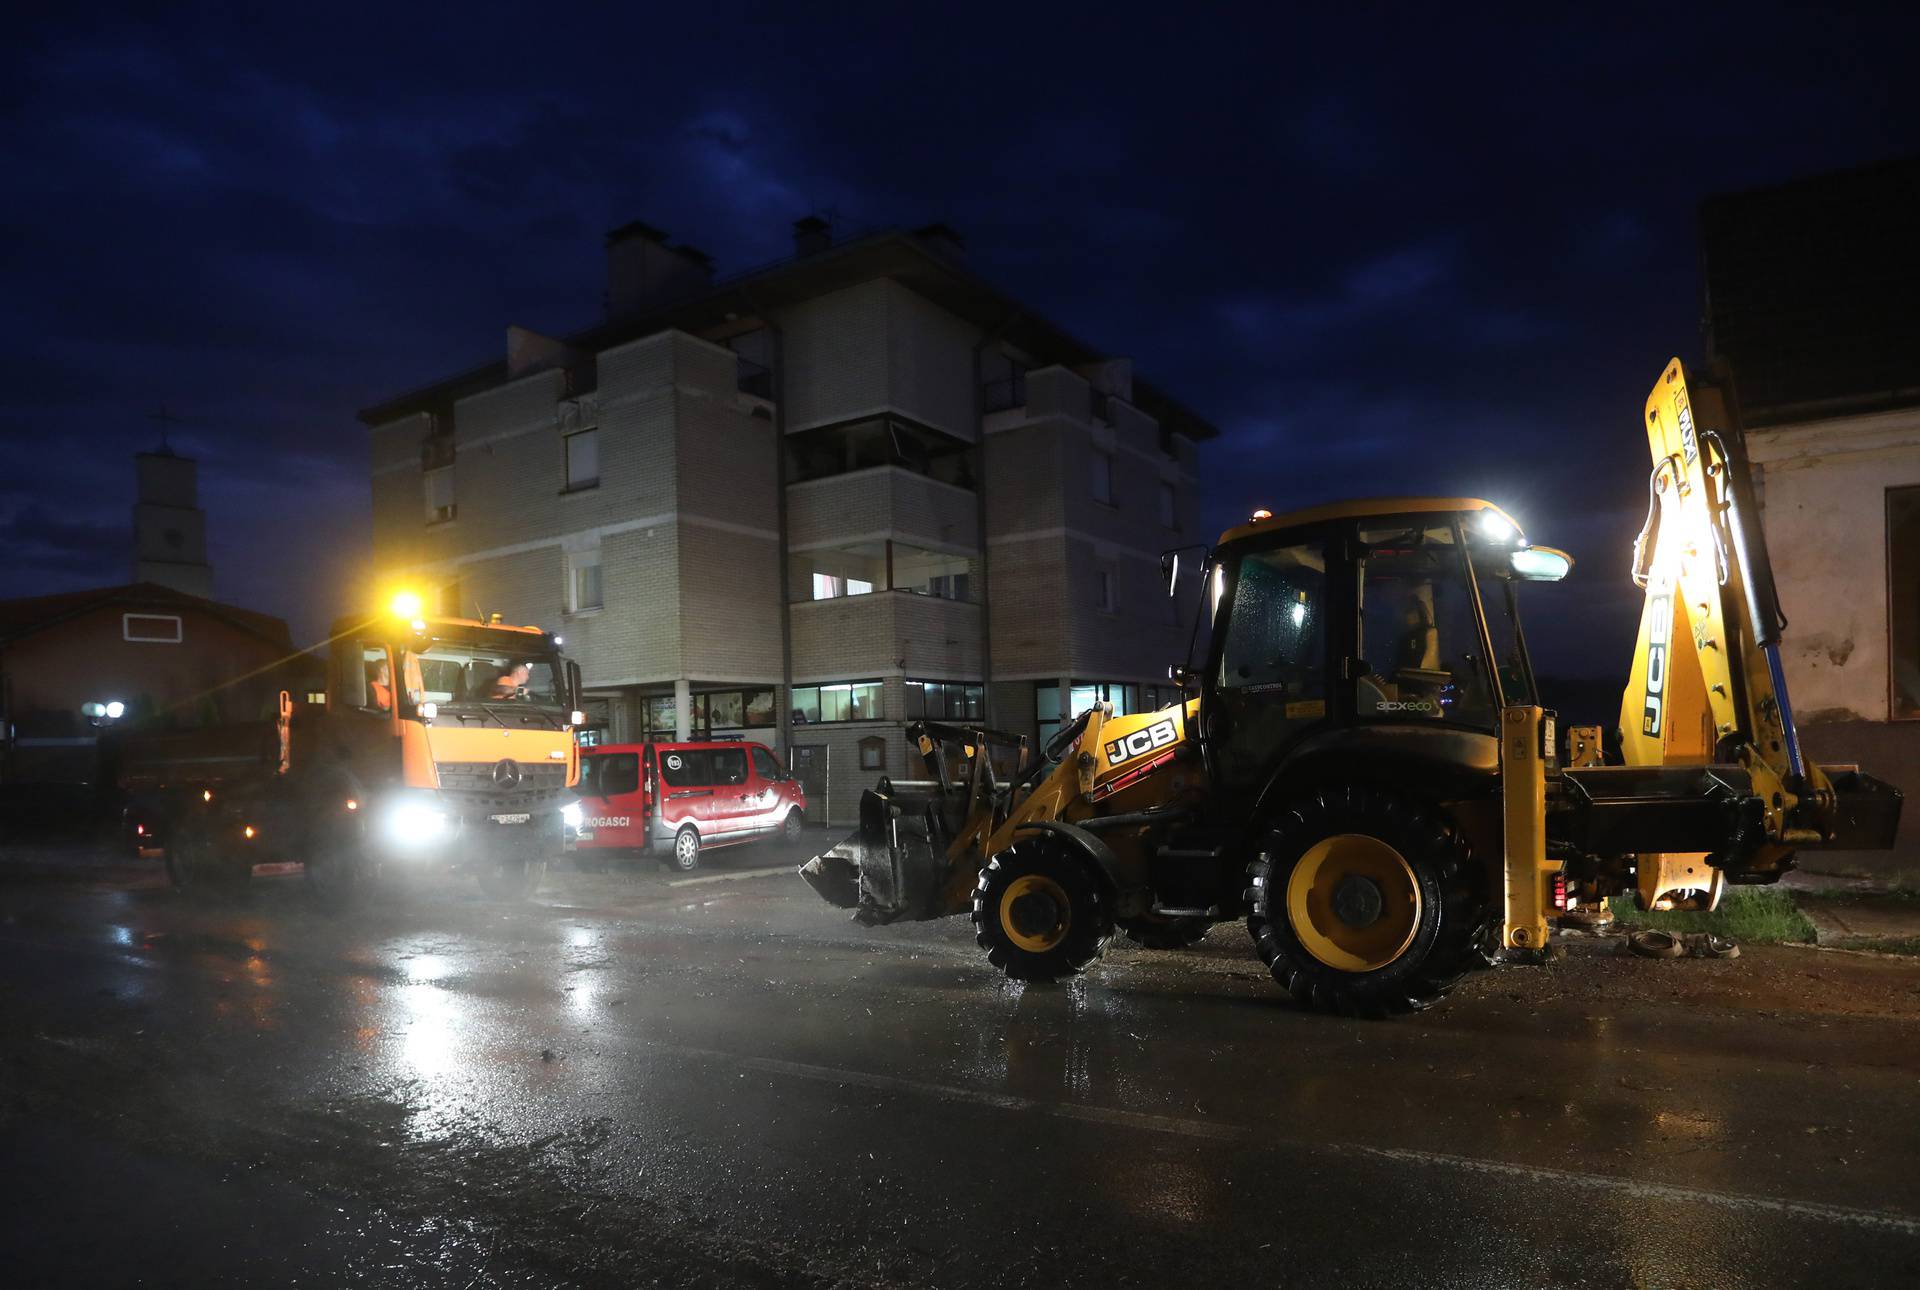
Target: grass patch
(1750, 915)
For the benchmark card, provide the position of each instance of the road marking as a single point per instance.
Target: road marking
(1182, 1126)
(733, 876)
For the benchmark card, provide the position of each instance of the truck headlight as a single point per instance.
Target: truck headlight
(571, 815)
(416, 823)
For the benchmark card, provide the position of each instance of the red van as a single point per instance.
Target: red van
(676, 800)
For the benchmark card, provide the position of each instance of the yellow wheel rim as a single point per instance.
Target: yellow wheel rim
(1024, 904)
(1353, 902)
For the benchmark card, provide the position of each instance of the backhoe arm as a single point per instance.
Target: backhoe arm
(1707, 686)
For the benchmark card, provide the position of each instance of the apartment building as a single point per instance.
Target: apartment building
(806, 504)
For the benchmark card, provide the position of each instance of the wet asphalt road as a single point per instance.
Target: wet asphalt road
(725, 1083)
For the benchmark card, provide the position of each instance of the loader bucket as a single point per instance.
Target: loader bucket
(892, 869)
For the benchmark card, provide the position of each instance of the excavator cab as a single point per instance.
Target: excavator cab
(1334, 629)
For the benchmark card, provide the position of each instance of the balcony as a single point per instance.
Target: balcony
(885, 632)
(880, 502)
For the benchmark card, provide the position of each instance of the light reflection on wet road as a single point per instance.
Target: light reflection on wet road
(629, 1082)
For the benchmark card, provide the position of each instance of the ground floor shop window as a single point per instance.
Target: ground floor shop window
(710, 714)
(1903, 600)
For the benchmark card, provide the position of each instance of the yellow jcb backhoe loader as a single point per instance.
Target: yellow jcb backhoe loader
(1364, 772)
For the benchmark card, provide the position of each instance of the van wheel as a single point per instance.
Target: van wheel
(791, 826)
(686, 849)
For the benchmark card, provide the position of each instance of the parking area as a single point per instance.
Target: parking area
(639, 1078)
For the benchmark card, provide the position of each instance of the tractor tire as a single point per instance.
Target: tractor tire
(1168, 933)
(1364, 902)
(1038, 913)
(513, 879)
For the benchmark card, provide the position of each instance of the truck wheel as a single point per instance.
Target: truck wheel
(791, 827)
(1038, 913)
(1363, 902)
(686, 850)
(199, 859)
(1168, 933)
(513, 879)
(337, 869)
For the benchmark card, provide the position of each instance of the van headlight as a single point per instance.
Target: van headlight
(416, 823)
(571, 815)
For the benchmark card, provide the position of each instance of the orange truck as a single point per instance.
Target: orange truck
(436, 742)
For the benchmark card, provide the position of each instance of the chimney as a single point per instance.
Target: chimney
(943, 241)
(811, 235)
(643, 271)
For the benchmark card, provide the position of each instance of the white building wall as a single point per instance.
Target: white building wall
(1823, 486)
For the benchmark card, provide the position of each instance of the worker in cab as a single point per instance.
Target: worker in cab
(511, 682)
(379, 687)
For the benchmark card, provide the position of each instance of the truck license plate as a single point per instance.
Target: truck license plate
(521, 818)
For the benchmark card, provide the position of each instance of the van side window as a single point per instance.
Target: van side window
(729, 766)
(619, 774)
(683, 769)
(763, 763)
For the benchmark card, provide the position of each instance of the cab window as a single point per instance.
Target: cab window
(1419, 635)
(378, 673)
(1276, 626)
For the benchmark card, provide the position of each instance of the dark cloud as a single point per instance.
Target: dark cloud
(1386, 250)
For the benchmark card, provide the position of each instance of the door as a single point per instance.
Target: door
(686, 790)
(808, 763)
(1270, 679)
(735, 807)
(769, 784)
(612, 808)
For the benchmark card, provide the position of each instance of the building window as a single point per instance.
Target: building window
(1049, 715)
(1103, 477)
(151, 629)
(873, 753)
(839, 701)
(439, 495)
(583, 581)
(1169, 506)
(946, 700)
(1903, 604)
(1103, 590)
(583, 459)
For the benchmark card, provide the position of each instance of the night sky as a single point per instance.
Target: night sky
(1384, 254)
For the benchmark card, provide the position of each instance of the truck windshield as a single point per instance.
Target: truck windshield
(456, 671)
